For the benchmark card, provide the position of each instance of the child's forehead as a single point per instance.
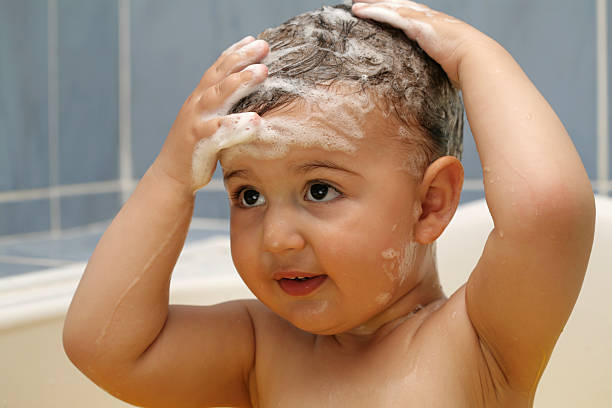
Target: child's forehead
(300, 138)
(342, 112)
(321, 127)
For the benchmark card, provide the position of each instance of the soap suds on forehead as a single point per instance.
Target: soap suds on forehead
(333, 111)
(328, 58)
(326, 120)
(332, 51)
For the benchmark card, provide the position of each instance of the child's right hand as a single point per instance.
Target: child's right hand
(202, 127)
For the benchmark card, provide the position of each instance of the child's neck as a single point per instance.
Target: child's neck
(426, 292)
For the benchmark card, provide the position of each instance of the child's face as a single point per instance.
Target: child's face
(344, 218)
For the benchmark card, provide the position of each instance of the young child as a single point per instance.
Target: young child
(342, 174)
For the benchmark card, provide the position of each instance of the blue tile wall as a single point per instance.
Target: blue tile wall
(24, 217)
(12, 269)
(63, 249)
(85, 209)
(24, 141)
(211, 204)
(467, 196)
(173, 43)
(88, 84)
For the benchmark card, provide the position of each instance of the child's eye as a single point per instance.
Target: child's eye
(321, 192)
(250, 198)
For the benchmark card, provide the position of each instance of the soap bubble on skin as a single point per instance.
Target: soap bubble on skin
(390, 264)
(234, 129)
(328, 119)
(407, 260)
(390, 254)
(320, 307)
(383, 298)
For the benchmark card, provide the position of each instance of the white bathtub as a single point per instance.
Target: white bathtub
(36, 372)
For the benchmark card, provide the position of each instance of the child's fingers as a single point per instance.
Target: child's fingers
(442, 37)
(246, 40)
(234, 60)
(218, 134)
(218, 99)
(397, 3)
(402, 7)
(413, 18)
(225, 131)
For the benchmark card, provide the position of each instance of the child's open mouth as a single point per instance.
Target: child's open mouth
(301, 285)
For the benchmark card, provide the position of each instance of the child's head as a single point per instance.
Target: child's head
(331, 189)
(365, 64)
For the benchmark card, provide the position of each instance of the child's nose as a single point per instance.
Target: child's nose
(280, 231)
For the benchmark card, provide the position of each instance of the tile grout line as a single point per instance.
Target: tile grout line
(28, 260)
(100, 187)
(603, 183)
(125, 99)
(53, 113)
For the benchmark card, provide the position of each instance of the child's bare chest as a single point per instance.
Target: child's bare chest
(393, 375)
(439, 367)
(367, 385)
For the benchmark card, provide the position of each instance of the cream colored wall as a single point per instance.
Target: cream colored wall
(38, 374)
(579, 373)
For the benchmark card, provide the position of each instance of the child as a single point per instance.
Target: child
(340, 185)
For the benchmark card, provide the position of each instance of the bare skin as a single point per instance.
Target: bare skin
(375, 333)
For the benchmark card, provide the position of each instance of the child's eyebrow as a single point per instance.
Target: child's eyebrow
(297, 168)
(235, 173)
(318, 164)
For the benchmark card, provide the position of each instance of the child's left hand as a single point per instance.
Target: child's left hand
(444, 38)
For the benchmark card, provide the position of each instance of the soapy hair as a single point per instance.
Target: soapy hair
(330, 48)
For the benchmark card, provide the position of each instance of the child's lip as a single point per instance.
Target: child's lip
(296, 287)
(294, 274)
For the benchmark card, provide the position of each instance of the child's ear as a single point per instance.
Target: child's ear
(439, 194)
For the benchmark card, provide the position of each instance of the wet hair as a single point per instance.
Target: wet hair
(330, 47)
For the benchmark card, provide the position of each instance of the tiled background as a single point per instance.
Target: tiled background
(89, 89)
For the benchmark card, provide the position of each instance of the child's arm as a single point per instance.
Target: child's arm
(119, 330)
(525, 285)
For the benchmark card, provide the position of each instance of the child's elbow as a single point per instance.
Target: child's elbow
(74, 344)
(565, 209)
(80, 346)
(549, 206)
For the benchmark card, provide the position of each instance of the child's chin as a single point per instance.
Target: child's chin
(319, 323)
(319, 330)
